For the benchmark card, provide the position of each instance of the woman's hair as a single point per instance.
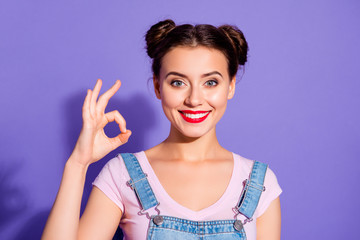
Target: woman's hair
(165, 35)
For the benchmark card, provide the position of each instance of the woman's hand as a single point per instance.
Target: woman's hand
(93, 144)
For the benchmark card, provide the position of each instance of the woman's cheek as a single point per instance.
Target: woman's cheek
(171, 100)
(217, 99)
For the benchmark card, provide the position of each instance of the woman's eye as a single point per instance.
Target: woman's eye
(211, 83)
(177, 83)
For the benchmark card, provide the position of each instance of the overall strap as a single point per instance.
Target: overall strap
(139, 182)
(253, 188)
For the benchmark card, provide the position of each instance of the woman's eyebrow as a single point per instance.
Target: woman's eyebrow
(212, 73)
(176, 74)
(184, 76)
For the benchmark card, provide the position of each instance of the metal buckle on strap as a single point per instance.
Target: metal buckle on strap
(237, 212)
(131, 184)
(142, 212)
(257, 186)
(247, 220)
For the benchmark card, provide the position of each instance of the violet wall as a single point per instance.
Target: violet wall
(296, 107)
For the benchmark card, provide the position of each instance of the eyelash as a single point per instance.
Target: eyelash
(212, 81)
(174, 82)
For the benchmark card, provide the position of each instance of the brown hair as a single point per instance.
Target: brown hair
(165, 35)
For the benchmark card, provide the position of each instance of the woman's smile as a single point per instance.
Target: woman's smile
(194, 116)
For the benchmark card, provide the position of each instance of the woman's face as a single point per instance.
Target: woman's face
(194, 87)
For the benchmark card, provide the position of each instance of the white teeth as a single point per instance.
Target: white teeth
(194, 116)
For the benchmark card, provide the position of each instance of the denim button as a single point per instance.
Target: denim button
(158, 220)
(238, 225)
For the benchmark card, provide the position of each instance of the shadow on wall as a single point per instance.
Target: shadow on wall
(34, 226)
(139, 116)
(14, 204)
(13, 201)
(136, 110)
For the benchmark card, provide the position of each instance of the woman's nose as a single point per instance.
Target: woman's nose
(194, 98)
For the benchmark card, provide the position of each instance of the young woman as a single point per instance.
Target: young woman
(188, 186)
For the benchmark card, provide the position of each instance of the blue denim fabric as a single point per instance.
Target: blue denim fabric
(177, 228)
(252, 190)
(139, 182)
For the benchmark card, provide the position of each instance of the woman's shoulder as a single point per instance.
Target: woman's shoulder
(118, 160)
(112, 179)
(273, 189)
(117, 164)
(270, 182)
(246, 164)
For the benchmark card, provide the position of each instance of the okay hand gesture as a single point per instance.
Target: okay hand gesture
(93, 144)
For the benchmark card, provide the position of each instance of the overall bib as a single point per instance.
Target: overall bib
(168, 227)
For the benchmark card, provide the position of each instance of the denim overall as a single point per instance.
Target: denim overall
(167, 227)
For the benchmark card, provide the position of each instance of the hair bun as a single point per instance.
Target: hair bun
(238, 42)
(156, 34)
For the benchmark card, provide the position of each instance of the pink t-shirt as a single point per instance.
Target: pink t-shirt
(112, 181)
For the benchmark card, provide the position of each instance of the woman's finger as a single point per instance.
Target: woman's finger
(86, 105)
(116, 116)
(105, 97)
(120, 139)
(94, 96)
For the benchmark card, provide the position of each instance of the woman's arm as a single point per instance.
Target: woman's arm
(268, 225)
(64, 217)
(99, 220)
(92, 145)
(107, 219)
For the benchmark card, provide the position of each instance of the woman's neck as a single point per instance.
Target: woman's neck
(178, 146)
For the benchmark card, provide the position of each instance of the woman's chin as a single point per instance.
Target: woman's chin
(191, 134)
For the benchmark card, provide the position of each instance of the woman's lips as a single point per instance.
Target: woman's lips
(194, 116)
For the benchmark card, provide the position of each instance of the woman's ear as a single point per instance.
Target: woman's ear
(156, 87)
(232, 88)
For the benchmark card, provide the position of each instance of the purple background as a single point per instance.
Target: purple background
(296, 107)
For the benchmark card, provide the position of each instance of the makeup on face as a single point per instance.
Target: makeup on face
(194, 116)
(194, 89)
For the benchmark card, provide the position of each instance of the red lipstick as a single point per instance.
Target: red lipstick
(194, 116)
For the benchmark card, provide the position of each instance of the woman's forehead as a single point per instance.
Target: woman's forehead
(194, 60)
